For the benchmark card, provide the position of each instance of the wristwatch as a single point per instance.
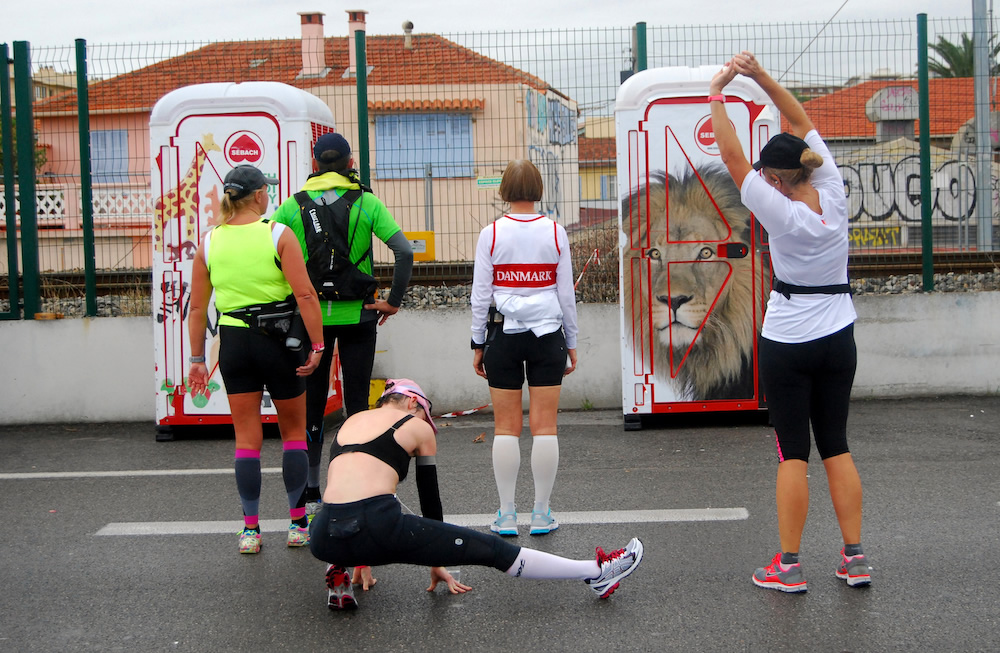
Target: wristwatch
(478, 345)
(197, 359)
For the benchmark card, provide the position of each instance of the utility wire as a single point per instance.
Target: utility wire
(825, 25)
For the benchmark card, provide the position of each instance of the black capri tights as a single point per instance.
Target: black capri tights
(809, 382)
(376, 532)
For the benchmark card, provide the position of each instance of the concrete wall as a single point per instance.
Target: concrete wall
(101, 369)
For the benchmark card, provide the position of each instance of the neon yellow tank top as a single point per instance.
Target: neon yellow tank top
(241, 266)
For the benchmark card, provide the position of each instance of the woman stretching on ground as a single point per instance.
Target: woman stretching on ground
(361, 522)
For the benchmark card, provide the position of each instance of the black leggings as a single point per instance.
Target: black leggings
(809, 382)
(376, 532)
(356, 347)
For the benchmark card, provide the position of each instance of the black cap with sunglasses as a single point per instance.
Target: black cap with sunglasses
(245, 179)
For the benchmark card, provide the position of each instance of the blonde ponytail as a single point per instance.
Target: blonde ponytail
(809, 159)
(230, 207)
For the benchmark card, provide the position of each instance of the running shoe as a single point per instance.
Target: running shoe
(614, 567)
(505, 524)
(776, 576)
(543, 523)
(854, 569)
(250, 540)
(312, 507)
(297, 535)
(340, 592)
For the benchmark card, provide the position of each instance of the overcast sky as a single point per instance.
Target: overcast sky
(60, 22)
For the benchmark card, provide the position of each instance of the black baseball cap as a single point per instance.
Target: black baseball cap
(245, 179)
(331, 147)
(782, 153)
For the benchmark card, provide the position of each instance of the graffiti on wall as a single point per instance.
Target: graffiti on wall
(883, 192)
(548, 163)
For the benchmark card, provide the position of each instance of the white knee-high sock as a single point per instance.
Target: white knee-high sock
(544, 465)
(538, 564)
(506, 463)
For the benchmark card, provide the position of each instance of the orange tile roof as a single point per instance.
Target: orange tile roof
(841, 115)
(597, 151)
(459, 104)
(431, 60)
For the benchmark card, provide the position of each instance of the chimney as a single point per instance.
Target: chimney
(893, 109)
(408, 35)
(355, 22)
(313, 45)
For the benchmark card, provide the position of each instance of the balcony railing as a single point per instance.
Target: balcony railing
(59, 206)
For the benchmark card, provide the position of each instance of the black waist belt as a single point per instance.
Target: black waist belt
(788, 289)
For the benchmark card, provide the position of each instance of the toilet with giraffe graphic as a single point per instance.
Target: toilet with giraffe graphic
(197, 134)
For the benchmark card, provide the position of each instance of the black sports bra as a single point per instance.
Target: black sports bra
(384, 447)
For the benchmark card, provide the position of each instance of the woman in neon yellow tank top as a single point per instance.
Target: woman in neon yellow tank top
(248, 261)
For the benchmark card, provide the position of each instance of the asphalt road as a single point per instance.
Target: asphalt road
(931, 475)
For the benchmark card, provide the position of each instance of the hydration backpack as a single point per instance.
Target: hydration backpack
(334, 275)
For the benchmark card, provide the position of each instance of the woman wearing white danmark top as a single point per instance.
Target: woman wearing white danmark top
(523, 266)
(807, 353)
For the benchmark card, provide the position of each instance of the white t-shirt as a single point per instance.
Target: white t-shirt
(523, 265)
(807, 249)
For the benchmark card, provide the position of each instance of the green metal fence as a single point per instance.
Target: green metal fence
(444, 113)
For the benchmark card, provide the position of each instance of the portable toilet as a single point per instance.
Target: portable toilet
(694, 272)
(197, 135)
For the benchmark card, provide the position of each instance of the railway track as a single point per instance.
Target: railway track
(112, 282)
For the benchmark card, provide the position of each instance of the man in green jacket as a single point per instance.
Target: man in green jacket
(349, 323)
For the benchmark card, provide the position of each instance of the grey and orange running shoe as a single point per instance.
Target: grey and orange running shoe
(776, 576)
(854, 570)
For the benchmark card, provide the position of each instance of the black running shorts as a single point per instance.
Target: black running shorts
(511, 357)
(250, 360)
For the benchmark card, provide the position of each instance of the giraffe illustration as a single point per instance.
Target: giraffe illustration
(182, 202)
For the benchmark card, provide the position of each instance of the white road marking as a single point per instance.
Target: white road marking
(470, 520)
(126, 473)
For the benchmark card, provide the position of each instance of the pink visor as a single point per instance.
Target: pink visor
(409, 388)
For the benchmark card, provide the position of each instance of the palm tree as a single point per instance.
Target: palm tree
(956, 60)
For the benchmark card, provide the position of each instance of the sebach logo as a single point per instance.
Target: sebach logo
(244, 147)
(704, 136)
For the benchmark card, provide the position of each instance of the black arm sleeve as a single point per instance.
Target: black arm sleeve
(427, 489)
(402, 269)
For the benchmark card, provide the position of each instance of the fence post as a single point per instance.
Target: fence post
(10, 196)
(86, 187)
(640, 46)
(926, 208)
(362, 82)
(429, 196)
(984, 159)
(26, 177)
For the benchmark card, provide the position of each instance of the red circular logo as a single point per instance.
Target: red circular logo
(244, 147)
(704, 136)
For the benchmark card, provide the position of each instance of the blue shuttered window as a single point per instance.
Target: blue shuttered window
(405, 143)
(109, 156)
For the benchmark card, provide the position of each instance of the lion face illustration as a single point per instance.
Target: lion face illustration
(698, 303)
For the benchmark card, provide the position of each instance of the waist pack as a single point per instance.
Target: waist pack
(788, 289)
(328, 246)
(275, 319)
